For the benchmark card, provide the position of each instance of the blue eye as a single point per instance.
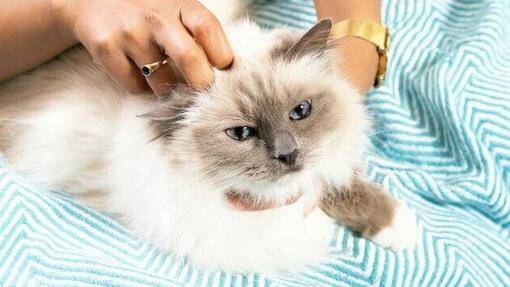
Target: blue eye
(301, 111)
(241, 133)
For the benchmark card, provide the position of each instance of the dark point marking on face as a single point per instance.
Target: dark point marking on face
(261, 125)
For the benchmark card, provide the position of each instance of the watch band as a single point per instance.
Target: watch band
(373, 32)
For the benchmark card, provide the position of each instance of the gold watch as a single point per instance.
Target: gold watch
(375, 33)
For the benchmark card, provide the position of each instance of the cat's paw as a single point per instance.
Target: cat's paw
(402, 233)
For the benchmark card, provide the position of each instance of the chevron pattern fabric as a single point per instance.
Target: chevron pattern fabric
(441, 142)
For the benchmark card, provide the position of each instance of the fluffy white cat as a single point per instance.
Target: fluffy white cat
(225, 176)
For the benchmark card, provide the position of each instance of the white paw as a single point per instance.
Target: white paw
(403, 231)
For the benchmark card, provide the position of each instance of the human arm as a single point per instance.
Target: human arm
(359, 57)
(120, 35)
(29, 35)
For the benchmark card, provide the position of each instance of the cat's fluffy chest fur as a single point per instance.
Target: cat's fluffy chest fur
(80, 132)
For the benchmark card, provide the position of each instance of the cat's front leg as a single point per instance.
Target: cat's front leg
(365, 207)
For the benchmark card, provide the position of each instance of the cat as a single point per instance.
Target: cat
(226, 176)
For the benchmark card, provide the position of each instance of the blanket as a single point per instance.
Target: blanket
(441, 142)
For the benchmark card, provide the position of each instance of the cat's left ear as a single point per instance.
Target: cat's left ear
(316, 41)
(170, 113)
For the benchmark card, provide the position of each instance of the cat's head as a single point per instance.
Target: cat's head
(279, 119)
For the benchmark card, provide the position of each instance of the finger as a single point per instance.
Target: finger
(207, 30)
(122, 70)
(187, 55)
(161, 79)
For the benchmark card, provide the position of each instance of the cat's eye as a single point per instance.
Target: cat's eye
(301, 111)
(241, 133)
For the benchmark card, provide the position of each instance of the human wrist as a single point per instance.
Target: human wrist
(359, 60)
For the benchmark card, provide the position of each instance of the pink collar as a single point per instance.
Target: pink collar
(246, 202)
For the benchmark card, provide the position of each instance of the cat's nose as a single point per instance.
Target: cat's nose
(284, 147)
(289, 158)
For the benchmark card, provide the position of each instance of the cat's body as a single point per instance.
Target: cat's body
(169, 174)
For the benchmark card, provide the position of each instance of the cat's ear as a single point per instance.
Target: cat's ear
(315, 41)
(170, 113)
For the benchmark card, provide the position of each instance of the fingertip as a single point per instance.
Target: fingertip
(223, 61)
(210, 35)
(218, 50)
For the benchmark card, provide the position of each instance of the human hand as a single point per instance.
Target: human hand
(124, 35)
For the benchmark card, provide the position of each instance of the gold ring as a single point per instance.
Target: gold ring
(148, 69)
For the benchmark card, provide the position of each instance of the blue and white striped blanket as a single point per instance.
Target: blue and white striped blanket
(442, 143)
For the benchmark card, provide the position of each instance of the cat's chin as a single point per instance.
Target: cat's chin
(266, 195)
(244, 201)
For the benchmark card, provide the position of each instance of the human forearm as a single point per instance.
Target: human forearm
(347, 9)
(29, 35)
(359, 58)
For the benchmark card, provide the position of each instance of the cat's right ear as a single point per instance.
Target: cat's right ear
(314, 42)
